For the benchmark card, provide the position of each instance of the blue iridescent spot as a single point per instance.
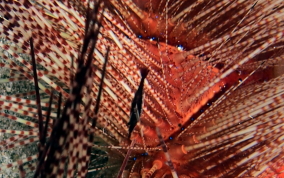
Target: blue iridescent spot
(182, 128)
(192, 119)
(146, 153)
(139, 36)
(142, 154)
(180, 47)
(201, 110)
(171, 138)
(153, 38)
(208, 104)
(134, 158)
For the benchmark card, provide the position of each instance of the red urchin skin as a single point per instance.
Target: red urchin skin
(176, 76)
